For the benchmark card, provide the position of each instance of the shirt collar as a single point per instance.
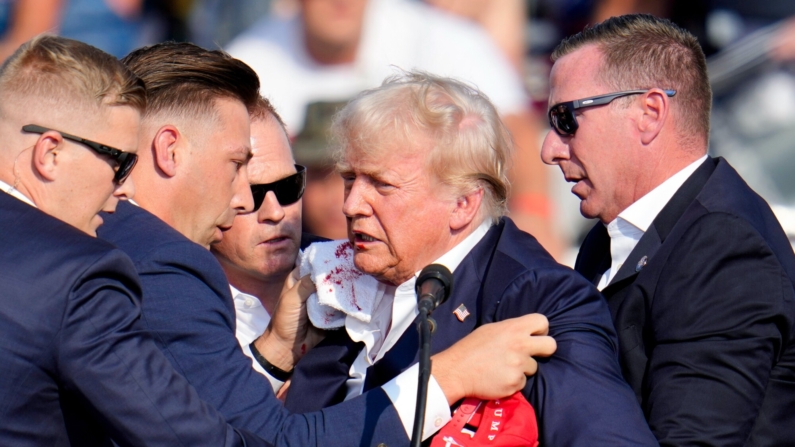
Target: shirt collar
(15, 193)
(452, 258)
(238, 295)
(643, 212)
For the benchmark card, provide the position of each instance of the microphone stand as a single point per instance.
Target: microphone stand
(425, 325)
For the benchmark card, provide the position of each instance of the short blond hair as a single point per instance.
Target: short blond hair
(471, 146)
(642, 51)
(66, 69)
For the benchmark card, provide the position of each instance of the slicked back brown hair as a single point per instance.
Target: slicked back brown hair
(642, 51)
(73, 71)
(184, 80)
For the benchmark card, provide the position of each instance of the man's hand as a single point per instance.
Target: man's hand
(494, 360)
(290, 334)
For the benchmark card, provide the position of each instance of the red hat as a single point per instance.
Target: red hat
(510, 421)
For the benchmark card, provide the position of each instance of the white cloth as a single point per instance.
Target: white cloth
(252, 320)
(10, 190)
(342, 289)
(631, 224)
(396, 33)
(392, 316)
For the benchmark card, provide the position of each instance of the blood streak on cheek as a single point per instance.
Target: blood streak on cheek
(303, 349)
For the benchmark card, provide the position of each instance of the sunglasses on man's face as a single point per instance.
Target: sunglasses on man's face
(287, 190)
(125, 160)
(563, 120)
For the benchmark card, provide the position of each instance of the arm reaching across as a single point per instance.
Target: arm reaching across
(499, 357)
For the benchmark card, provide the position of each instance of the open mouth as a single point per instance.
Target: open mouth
(365, 238)
(361, 240)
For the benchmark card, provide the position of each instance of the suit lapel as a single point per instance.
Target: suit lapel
(467, 291)
(594, 256)
(661, 227)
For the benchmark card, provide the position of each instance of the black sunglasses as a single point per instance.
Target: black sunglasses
(287, 190)
(561, 116)
(126, 160)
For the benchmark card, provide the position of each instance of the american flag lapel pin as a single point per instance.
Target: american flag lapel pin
(461, 312)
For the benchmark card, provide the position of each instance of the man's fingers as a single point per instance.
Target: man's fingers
(306, 287)
(542, 346)
(531, 367)
(537, 324)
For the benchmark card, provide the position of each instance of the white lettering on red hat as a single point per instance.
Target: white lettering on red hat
(498, 412)
(495, 425)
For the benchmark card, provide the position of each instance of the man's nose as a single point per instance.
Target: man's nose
(242, 200)
(554, 149)
(356, 203)
(271, 210)
(126, 190)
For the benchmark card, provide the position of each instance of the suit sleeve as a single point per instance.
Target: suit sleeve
(106, 358)
(716, 313)
(194, 324)
(579, 394)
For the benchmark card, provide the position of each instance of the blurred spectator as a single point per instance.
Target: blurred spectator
(322, 213)
(503, 21)
(20, 20)
(115, 26)
(334, 49)
(213, 23)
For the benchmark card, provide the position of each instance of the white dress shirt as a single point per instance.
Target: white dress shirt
(392, 316)
(252, 320)
(395, 311)
(13, 192)
(631, 224)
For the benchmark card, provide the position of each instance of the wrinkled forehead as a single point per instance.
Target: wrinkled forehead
(378, 152)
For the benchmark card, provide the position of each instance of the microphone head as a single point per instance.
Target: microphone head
(438, 273)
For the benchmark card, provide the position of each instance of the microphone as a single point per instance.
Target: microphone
(433, 287)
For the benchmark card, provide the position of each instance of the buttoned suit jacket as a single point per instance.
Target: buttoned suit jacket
(188, 309)
(578, 393)
(76, 366)
(704, 311)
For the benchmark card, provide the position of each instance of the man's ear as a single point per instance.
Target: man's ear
(655, 107)
(466, 209)
(164, 149)
(45, 155)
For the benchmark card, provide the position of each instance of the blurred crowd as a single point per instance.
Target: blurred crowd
(312, 176)
(315, 55)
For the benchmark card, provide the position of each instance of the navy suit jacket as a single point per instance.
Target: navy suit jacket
(578, 394)
(76, 365)
(704, 307)
(188, 309)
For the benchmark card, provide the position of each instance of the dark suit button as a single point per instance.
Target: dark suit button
(382, 445)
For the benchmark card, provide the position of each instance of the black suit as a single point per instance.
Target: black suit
(578, 393)
(704, 307)
(76, 365)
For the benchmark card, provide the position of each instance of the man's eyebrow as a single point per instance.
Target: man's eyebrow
(244, 152)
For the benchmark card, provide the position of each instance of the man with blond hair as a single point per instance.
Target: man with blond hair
(191, 183)
(694, 266)
(424, 160)
(76, 365)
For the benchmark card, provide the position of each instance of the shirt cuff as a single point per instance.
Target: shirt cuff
(402, 391)
(276, 384)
